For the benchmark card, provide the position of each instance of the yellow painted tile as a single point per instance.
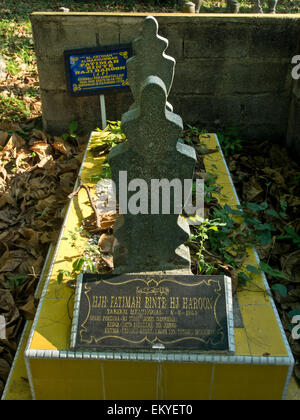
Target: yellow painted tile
(18, 387)
(57, 291)
(253, 293)
(130, 380)
(54, 326)
(186, 381)
(262, 330)
(67, 379)
(67, 390)
(71, 369)
(46, 269)
(248, 382)
(241, 342)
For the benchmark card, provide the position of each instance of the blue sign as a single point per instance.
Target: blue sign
(93, 71)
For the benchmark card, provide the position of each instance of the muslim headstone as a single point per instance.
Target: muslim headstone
(150, 238)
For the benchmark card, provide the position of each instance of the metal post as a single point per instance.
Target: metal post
(103, 111)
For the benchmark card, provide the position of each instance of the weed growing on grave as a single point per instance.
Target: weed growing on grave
(103, 143)
(86, 262)
(228, 235)
(113, 134)
(222, 240)
(198, 238)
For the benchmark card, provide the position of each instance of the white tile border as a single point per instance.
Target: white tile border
(230, 318)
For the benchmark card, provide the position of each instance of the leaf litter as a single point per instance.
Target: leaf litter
(37, 172)
(274, 178)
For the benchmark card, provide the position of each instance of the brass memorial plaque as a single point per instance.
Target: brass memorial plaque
(152, 312)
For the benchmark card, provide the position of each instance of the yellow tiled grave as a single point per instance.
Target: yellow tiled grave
(260, 368)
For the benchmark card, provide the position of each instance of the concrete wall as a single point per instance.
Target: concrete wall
(293, 132)
(230, 71)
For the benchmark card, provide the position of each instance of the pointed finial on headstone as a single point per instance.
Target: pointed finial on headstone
(150, 230)
(150, 60)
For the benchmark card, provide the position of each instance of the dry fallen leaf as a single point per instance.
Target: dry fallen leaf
(15, 142)
(62, 146)
(108, 261)
(106, 243)
(42, 149)
(107, 221)
(3, 137)
(291, 267)
(28, 310)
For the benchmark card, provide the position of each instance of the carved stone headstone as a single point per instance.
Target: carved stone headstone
(150, 59)
(150, 242)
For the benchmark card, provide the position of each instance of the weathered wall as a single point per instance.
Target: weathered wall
(293, 131)
(230, 71)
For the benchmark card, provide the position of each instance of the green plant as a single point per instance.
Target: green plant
(82, 263)
(114, 135)
(266, 268)
(230, 141)
(12, 108)
(17, 280)
(71, 135)
(291, 235)
(199, 237)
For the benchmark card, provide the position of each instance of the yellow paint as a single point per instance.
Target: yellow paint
(186, 381)
(130, 380)
(67, 379)
(84, 379)
(241, 342)
(19, 388)
(248, 382)
(262, 331)
(54, 327)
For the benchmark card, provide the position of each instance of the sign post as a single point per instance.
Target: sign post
(97, 71)
(103, 111)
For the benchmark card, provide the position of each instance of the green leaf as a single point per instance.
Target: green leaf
(243, 278)
(274, 213)
(252, 269)
(271, 271)
(90, 266)
(78, 264)
(60, 276)
(73, 126)
(265, 226)
(264, 238)
(291, 314)
(232, 211)
(280, 288)
(257, 207)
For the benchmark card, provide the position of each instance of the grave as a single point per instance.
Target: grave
(261, 364)
(161, 305)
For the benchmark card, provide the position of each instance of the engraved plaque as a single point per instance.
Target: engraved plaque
(180, 312)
